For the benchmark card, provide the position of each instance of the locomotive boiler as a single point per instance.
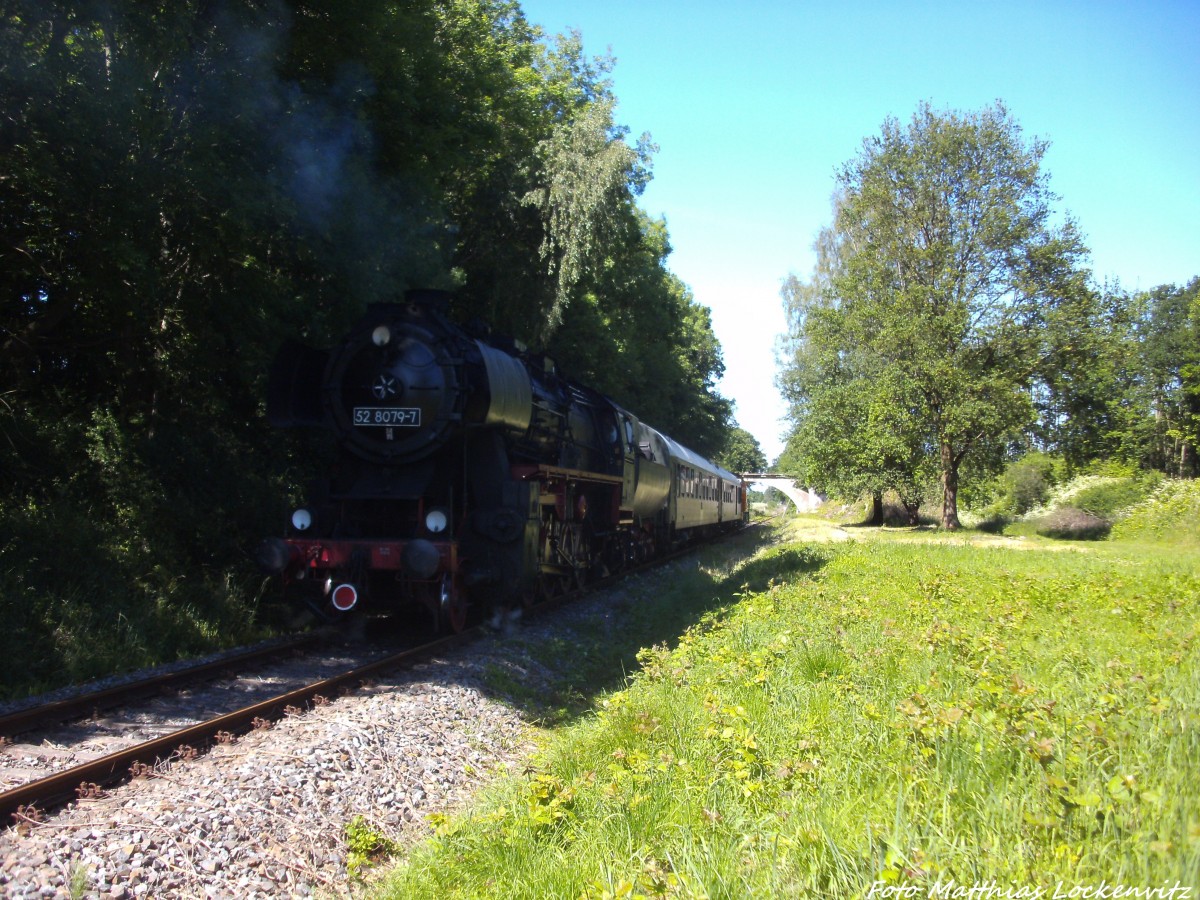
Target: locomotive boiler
(471, 474)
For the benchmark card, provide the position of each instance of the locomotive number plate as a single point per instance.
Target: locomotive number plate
(369, 416)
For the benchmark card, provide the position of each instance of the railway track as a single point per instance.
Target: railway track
(85, 704)
(31, 800)
(88, 779)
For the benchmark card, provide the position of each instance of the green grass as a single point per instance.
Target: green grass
(591, 656)
(875, 712)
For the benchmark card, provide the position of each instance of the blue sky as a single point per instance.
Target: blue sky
(755, 104)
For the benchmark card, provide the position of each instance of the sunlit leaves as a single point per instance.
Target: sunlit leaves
(589, 175)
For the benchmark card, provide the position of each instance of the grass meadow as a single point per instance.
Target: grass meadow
(857, 713)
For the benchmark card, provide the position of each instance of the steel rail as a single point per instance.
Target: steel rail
(23, 720)
(57, 789)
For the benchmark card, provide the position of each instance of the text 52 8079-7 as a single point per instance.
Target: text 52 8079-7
(387, 415)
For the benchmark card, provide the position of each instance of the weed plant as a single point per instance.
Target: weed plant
(875, 714)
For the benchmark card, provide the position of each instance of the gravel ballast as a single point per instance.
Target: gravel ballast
(265, 816)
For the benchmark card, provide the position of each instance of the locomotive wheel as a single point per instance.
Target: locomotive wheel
(577, 553)
(565, 557)
(452, 607)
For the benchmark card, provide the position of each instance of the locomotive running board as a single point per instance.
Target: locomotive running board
(524, 473)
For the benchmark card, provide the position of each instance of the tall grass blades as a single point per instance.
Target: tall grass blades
(884, 714)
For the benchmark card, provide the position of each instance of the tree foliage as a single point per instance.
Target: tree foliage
(742, 453)
(949, 327)
(933, 284)
(1172, 354)
(856, 426)
(1122, 381)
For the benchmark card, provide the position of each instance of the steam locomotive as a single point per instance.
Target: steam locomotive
(471, 475)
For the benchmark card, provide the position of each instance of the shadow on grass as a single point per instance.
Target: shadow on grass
(554, 668)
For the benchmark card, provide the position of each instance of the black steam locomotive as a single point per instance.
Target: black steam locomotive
(471, 475)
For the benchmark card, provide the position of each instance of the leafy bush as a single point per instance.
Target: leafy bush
(1111, 468)
(137, 557)
(1169, 516)
(1070, 523)
(1026, 483)
(1110, 499)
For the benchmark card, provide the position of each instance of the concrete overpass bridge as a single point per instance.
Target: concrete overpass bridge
(805, 500)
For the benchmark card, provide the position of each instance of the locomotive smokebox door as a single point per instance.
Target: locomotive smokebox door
(394, 388)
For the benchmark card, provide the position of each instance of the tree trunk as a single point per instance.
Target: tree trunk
(876, 508)
(949, 489)
(1187, 461)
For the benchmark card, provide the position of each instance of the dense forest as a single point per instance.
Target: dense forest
(184, 185)
(951, 332)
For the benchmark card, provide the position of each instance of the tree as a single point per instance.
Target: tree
(1091, 393)
(855, 425)
(741, 453)
(1121, 380)
(950, 264)
(1172, 355)
(591, 175)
